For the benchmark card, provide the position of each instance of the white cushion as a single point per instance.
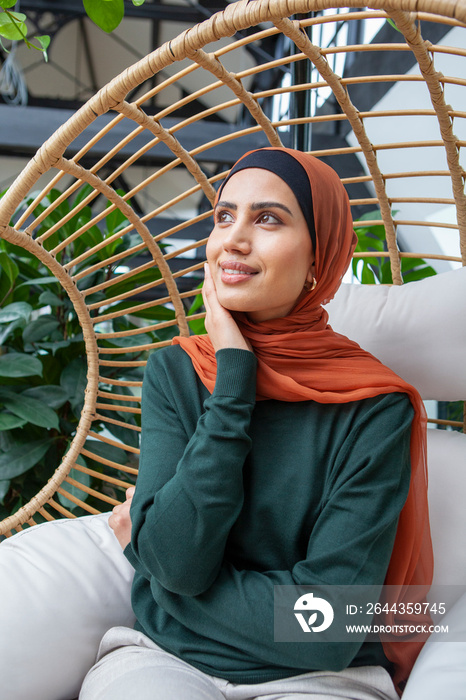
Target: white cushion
(417, 329)
(446, 456)
(62, 585)
(440, 670)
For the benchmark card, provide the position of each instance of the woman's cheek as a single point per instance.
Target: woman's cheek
(212, 248)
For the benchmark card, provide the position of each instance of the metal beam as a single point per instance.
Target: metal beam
(25, 129)
(157, 11)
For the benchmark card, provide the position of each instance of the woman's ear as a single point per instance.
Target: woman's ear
(311, 272)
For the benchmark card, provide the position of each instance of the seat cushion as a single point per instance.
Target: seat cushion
(440, 670)
(418, 329)
(63, 584)
(446, 456)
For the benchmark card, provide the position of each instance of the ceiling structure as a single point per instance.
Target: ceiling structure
(82, 59)
(38, 97)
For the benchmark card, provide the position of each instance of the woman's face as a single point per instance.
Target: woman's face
(260, 251)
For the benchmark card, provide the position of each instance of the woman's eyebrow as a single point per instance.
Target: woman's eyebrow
(227, 205)
(256, 206)
(270, 205)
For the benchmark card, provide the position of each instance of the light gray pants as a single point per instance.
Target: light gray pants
(131, 666)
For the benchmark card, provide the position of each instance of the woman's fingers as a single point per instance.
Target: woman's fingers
(209, 293)
(219, 323)
(120, 522)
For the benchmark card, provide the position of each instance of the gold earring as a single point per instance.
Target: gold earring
(308, 286)
(314, 284)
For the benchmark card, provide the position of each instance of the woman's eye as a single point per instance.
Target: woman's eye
(224, 217)
(268, 218)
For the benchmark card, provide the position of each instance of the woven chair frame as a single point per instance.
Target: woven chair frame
(75, 156)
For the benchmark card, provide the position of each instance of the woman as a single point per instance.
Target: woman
(274, 452)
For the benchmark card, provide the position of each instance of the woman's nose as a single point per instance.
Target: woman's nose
(238, 238)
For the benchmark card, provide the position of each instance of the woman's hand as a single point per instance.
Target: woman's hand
(120, 520)
(219, 323)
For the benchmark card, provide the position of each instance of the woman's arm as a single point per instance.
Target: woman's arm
(190, 489)
(350, 544)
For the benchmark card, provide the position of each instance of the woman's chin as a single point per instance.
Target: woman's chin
(237, 308)
(234, 302)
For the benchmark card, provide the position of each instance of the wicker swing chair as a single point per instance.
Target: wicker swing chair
(142, 271)
(128, 251)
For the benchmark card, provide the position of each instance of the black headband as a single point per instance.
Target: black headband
(290, 171)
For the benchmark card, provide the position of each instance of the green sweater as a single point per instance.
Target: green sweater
(234, 497)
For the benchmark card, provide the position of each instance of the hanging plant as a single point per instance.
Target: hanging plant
(106, 14)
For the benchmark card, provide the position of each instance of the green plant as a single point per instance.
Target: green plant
(370, 270)
(42, 355)
(106, 14)
(13, 27)
(451, 411)
(197, 326)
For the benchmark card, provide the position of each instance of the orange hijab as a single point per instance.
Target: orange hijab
(301, 358)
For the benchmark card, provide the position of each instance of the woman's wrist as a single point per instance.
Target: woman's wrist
(236, 374)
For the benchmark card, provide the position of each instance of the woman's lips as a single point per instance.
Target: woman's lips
(234, 272)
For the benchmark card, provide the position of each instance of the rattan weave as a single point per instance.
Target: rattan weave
(201, 57)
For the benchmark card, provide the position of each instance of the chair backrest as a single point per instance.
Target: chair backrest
(115, 205)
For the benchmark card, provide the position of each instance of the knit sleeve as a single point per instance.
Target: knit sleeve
(189, 489)
(350, 544)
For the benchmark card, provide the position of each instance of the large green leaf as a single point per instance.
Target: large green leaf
(414, 269)
(90, 238)
(32, 410)
(73, 380)
(54, 345)
(8, 421)
(82, 193)
(4, 487)
(22, 457)
(10, 329)
(16, 364)
(197, 326)
(12, 26)
(7, 3)
(9, 267)
(107, 14)
(37, 281)
(74, 377)
(48, 298)
(115, 220)
(127, 285)
(6, 441)
(40, 328)
(15, 311)
(52, 395)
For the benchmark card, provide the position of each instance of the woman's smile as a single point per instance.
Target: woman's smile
(234, 272)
